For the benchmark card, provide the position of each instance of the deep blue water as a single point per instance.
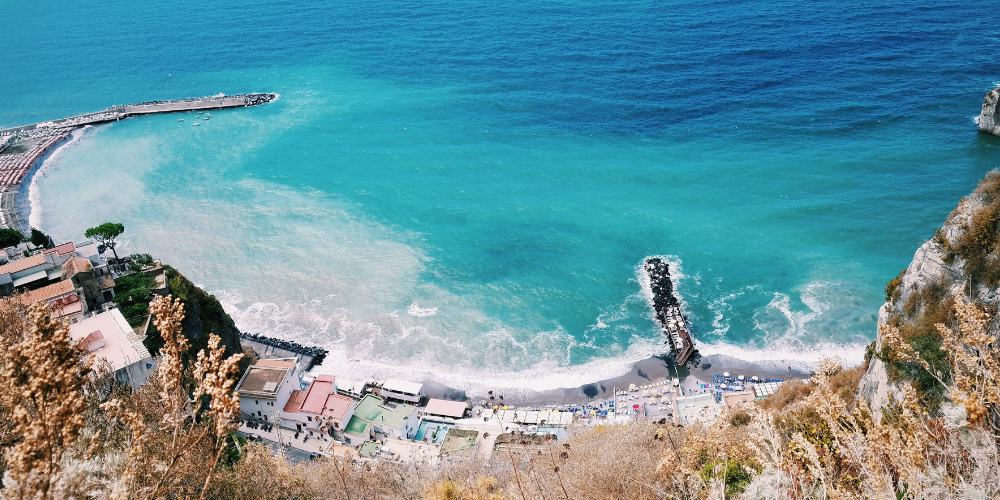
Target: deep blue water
(468, 188)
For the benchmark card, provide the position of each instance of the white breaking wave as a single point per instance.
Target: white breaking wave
(51, 162)
(415, 310)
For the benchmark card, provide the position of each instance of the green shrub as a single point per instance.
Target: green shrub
(892, 290)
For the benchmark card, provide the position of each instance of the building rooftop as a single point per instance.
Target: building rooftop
(369, 449)
(336, 406)
(121, 347)
(64, 249)
(453, 409)
(22, 264)
(357, 426)
(75, 265)
(262, 381)
(317, 393)
(369, 408)
(47, 292)
(402, 386)
(294, 401)
(394, 418)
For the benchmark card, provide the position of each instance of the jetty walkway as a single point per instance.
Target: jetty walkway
(22, 147)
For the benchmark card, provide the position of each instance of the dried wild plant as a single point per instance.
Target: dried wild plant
(44, 374)
(178, 440)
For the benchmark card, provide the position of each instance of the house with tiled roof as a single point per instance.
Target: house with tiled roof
(318, 408)
(108, 336)
(63, 299)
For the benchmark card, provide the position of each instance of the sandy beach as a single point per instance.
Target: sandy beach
(651, 370)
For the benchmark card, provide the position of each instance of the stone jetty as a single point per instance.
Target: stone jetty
(22, 147)
(667, 309)
(268, 347)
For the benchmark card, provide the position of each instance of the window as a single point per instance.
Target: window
(258, 413)
(336, 425)
(256, 402)
(309, 419)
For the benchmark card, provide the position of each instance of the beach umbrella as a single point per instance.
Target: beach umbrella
(725, 374)
(755, 378)
(740, 377)
(723, 386)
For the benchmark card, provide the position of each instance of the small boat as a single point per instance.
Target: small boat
(200, 112)
(181, 120)
(197, 124)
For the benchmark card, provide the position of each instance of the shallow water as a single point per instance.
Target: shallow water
(468, 188)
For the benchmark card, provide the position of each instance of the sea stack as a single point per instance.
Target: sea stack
(989, 117)
(667, 310)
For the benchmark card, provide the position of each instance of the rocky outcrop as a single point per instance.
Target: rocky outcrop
(935, 264)
(989, 118)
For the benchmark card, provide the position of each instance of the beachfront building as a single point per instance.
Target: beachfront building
(399, 422)
(402, 390)
(108, 335)
(267, 386)
(692, 409)
(440, 410)
(352, 388)
(374, 415)
(318, 408)
(359, 426)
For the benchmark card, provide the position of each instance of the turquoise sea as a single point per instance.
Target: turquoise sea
(467, 188)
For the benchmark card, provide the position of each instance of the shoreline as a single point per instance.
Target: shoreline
(646, 371)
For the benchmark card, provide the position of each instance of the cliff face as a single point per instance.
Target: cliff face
(203, 315)
(989, 118)
(939, 272)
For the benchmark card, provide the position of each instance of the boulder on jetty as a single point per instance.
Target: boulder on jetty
(989, 118)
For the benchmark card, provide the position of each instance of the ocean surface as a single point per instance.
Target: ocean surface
(467, 189)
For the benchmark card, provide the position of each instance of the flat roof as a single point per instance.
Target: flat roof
(316, 396)
(336, 406)
(459, 442)
(445, 408)
(262, 381)
(402, 386)
(294, 401)
(394, 418)
(356, 426)
(369, 407)
(118, 348)
(369, 449)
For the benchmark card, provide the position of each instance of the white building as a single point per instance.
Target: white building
(444, 411)
(109, 336)
(266, 387)
(402, 390)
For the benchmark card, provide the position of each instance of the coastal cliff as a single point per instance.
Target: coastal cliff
(203, 315)
(961, 258)
(989, 117)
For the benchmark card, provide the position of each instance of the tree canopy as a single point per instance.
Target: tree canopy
(105, 235)
(40, 239)
(10, 237)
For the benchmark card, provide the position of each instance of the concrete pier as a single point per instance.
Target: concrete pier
(22, 147)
